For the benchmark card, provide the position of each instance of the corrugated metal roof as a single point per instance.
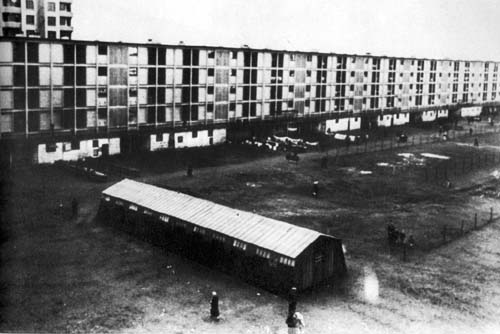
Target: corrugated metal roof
(274, 235)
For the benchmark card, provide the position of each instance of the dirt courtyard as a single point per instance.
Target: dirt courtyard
(77, 275)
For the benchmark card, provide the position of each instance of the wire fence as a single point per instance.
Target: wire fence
(394, 142)
(406, 247)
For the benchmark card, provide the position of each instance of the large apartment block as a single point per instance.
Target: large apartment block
(36, 18)
(177, 95)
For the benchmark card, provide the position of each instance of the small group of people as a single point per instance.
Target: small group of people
(398, 238)
(294, 320)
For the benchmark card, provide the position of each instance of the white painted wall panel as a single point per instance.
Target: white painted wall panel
(429, 116)
(44, 75)
(6, 99)
(91, 75)
(45, 99)
(384, 121)
(158, 145)
(57, 53)
(44, 53)
(91, 54)
(6, 51)
(6, 78)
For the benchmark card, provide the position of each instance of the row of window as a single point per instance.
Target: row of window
(188, 57)
(236, 243)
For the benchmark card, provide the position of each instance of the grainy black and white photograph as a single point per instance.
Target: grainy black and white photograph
(250, 167)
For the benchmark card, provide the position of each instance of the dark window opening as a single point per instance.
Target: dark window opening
(194, 134)
(195, 57)
(151, 115)
(162, 56)
(33, 76)
(194, 113)
(68, 119)
(81, 54)
(81, 97)
(32, 53)
(33, 98)
(160, 114)
(19, 99)
(151, 95)
(81, 123)
(211, 72)
(69, 97)
(102, 71)
(81, 76)
(161, 95)
(19, 122)
(102, 50)
(102, 114)
(186, 57)
(151, 76)
(186, 76)
(194, 76)
(69, 76)
(51, 21)
(18, 52)
(102, 92)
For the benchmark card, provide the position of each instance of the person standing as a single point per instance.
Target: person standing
(214, 307)
(315, 189)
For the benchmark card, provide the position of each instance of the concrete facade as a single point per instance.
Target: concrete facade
(36, 18)
(92, 89)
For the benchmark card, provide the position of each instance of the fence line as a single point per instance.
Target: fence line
(448, 233)
(392, 143)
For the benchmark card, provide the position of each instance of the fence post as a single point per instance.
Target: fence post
(475, 220)
(491, 214)
(404, 251)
